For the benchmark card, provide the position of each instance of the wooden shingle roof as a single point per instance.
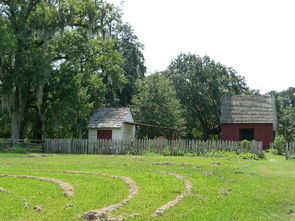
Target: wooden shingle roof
(110, 117)
(248, 109)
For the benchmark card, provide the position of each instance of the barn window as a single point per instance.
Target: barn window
(104, 134)
(247, 134)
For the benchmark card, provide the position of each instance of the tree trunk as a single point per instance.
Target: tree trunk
(37, 130)
(16, 125)
(204, 128)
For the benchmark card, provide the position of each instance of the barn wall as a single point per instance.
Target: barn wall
(263, 132)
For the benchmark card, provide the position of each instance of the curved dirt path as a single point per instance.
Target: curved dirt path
(188, 188)
(67, 188)
(104, 213)
(3, 190)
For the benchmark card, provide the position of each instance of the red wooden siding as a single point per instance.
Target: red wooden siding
(104, 134)
(262, 132)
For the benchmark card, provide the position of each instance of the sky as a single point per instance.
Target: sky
(255, 37)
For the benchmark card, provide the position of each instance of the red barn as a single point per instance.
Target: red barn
(250, 117)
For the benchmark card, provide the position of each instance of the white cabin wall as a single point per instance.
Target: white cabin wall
(125, 132)
(117, 134)
(128, 131)
(92, 133)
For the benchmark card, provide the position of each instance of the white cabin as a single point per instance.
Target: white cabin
(111, 123)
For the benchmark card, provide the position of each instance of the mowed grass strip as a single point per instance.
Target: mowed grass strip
(222, 188)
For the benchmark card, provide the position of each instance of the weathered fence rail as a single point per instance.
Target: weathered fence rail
(290, 149)
(139, 147)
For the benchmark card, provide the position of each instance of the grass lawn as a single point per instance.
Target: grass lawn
(223, 189)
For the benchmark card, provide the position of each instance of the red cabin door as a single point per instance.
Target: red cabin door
(104, 134)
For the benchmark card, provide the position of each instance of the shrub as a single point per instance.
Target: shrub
(166, 151)
(27, 141)
(273, 151)
(172, 151)
(4, 145)
(189, 155)
(232, 154)
(279, 144)
(245, 144)
(151, 154)
(18, 149)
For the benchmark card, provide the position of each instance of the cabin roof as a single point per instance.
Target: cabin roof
(110, 118)
(248, 109)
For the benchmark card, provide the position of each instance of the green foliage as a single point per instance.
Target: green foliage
(3, 141)
(172, 151)
(4, 124)
(287, 123)
(225, 154)
(59, 61)
(279, 144)
(166, 151)
(200, 84)
(274, 151)
(18, 149)
(245, 144)
(27, 141)
(130, 48)
(285, 103)
(156, 103)
(189, 155)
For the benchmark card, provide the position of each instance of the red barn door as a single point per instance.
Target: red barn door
(104, 134)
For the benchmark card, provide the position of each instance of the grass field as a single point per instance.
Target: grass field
(223, 189)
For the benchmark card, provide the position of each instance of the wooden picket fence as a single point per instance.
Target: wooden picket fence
(143, 146)
(290, 149)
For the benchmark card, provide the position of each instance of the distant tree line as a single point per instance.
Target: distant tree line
(59, 60)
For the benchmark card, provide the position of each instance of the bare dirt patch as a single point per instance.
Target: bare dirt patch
(104, 213)
(67, 188)
(139, 158)
(164, 163)
(238, 172)
(242, 167)
(38, 208)
(188, 188)
(40, 155)
(2, 190)
(224, 193)
(170, 164)
(201, 197)
(207, 173)
(27, 205)
(216, 163)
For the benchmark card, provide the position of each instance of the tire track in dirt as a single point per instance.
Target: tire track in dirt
(188, 188)
(68, 190)
(104, 213)
(2, 190)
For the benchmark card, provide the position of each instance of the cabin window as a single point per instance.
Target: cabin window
(104, 134)
(247, 134)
